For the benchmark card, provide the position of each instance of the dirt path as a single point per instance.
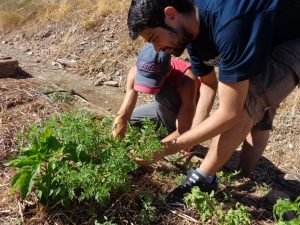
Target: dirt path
(109, 98)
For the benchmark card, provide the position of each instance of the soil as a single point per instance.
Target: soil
(71, 58)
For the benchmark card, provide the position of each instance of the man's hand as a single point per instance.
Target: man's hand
(119, 127)
(186, 152)
(156, 157)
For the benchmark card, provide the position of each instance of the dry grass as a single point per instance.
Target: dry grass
(38, 13)
(9, 19)
(105, 6)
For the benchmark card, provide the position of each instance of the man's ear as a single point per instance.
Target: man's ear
(170, 14)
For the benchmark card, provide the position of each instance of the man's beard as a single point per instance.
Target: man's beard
(184, 37)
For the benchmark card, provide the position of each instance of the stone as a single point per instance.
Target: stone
(100, 75)
(274, 195)
(8, 68)
(99, 82)
(290, 182)
(112, 83)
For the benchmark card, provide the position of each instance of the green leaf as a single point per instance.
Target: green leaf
(24, 180)
(22, 161)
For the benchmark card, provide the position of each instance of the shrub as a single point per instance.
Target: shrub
(209, 209)
(284, 206)
(74, 157)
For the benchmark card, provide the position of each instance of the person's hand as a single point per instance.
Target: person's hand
(142, 162)
(186, 152)
(119, 127)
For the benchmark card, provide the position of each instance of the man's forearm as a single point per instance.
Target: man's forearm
(183, 123)
(205, 103)
(128, 105)
(232, 99)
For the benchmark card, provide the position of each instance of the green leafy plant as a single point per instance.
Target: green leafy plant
(226, 178)
(209, 209)
(74, 157)
(284, 206)
(148, 213)
(57, 95)
(236, 216)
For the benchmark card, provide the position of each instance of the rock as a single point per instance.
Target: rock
(103, 61)
(8, 67)
(65, 62)
(290, 177)
(27, 50)
(4, 42)
(290, 182)
(100, 75)
(30, 53)
(60, 66)
(112, 83)
(99, 82)
(274, 195)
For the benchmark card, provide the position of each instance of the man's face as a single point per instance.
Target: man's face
(171, 40)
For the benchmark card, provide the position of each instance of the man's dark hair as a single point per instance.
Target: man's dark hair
(150, 13)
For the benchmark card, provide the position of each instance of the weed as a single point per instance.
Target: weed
(171, 177)
(148, 213)
(57, 95)
(226, 178)
(75, 157)
(107, 222)
(261, 188)
(209, 209)
(284, 206)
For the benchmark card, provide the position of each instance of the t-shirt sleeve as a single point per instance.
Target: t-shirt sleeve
(180, 65)
(198, 67)
(244, 45)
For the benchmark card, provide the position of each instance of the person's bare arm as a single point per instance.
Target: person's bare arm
(208, 89)
(232, 99)
(186, 88)
(127, 107)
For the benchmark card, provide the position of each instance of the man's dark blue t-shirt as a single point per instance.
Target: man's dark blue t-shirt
(238, 35)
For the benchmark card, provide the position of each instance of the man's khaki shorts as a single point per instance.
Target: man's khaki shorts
(267, 90)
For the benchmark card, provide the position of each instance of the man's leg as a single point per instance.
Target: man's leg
(142, 112)
(224, 145)
(256, 142)
(168, 104)
(252, 150)
(220, 150)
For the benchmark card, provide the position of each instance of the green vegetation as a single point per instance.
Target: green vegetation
(210, 209)
(73, 157)
(284, 206)
(148, 213)
(57, 95)
(226, 178)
